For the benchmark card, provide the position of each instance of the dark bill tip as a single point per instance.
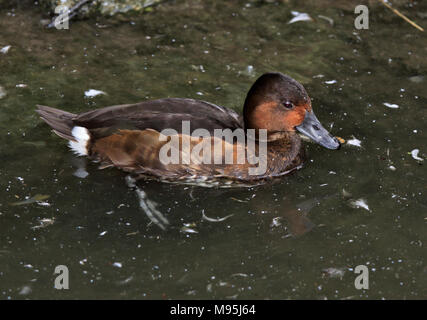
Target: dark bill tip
(312, 128)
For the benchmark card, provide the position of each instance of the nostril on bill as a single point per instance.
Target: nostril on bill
(315, 127)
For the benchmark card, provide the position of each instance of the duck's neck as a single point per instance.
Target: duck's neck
(285, 151)
(288, 142)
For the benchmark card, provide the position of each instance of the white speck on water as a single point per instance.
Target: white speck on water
(21, 85)
(93, 93)
(414, 154)
(299, 16)
(117, 264)
(354, 142)
(360, 203)
(392, 168)
(5, 49)
(417, 79)
(275, 222)
(103, 233)
(391, 105)
(2, 92)
(43, 203)
(25, 291)
(331, 81)
(199, 93)
(250, 71)
(80, 173)
(186, 229)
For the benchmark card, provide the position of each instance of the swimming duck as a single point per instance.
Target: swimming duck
(137, 138)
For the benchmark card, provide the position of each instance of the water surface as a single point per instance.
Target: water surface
(283, 238)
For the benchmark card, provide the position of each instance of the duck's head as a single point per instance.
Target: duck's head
(278, 103)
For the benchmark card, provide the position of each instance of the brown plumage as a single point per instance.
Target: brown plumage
(130, 136)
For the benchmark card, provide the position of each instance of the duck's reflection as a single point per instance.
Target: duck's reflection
(148, 206)
(294, 216)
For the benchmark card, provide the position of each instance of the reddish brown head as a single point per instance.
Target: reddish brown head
(278, 103)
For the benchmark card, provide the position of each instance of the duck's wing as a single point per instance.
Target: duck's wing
(159, 115)
(128, 136)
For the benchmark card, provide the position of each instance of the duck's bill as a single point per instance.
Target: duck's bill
(312, 128)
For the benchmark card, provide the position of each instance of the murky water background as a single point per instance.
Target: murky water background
(298, 238)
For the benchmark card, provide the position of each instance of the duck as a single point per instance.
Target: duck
(186, 140)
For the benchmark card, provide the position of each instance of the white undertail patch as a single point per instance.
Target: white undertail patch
(82, 136)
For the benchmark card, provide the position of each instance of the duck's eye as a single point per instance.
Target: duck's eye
(288, 105)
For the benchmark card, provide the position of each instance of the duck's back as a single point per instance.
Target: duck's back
(158, 115)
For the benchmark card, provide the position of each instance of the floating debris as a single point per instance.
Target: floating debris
(26, 290)
(5, 49)
(249, 71)
(43, 203)
(391, 105)
(198, 68)
(132, 233)
(149, 207)
(392, 168)
(334, 272)
(346, 194)
(215, 220)
(93, 93)
(238, 200)
(276, 222)
(44, 223)
(125, 281)
(331, 82)
(117, 264)
(354, 142)
(360, 203)
(103, 233)
(330, 20)
(80, 173)
(21, 85)
(414, 154)
(416, 79)
(225, 284)
(299, 16)
(186, 229)
(2, 92)
(36, 198)
(243, 275)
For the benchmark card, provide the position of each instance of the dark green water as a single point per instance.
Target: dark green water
(207, 51)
